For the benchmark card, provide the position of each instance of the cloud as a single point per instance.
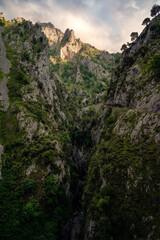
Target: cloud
(106, 24)
(89, 3)
(132, 4)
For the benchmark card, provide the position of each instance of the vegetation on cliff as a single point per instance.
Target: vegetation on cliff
(81, 141)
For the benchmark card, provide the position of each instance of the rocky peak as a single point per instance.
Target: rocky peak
(48, 147)
(70, 45)
(69, 35)
(53, 34)
(49, 25)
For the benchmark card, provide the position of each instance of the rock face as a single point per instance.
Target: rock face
(5, 66)
(80, 157)
(96, 69)
(132, 85)
(36, 118)
(86, 70)
(65, 44)
(70, 45)
(127, 155)
(73, 227)
(53, 34)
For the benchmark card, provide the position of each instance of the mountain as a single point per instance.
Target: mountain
(121, 193)
(85, 70)
(79, 135)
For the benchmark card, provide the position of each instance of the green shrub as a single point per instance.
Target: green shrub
(154, 64)
(28, 186)
(25, 56)
(55, 67)
(32, 209)
(1, 75)
(103, 203)
(2, 22)
(34, 40)
(51, 189)
(48, 156)
(128, 61)
(22, 78)
(16, 81)
(53, 52)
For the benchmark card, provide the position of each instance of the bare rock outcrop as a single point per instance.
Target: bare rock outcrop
(69, 45)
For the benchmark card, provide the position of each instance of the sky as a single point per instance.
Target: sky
(105, 24)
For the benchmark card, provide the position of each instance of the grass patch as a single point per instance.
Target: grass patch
(1, 75)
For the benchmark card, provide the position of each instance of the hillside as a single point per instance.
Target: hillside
(84, 70)
(121, 193)
(79, 136)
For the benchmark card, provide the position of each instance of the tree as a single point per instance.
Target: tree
(129, 44)
(134, 36)
(155, 10)
(146, 21)
(124, 47)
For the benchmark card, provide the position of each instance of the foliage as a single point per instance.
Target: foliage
(150, 64)
(146, 21)
(1, 75)
(2, 22)
(42, 217)
(25, 56)
(134, 36)
(68, 69)
(36, 109)
(90, 52)
(155, 10)
(154, 64)
(55, 67)
(17, 76)
(120, 190)
(34, 40)
(28, 186)
(124, 47)
(32, 209)
(33, 202)
(128, 61)
(89, 78)
(15, 83)
(53, 52)
(82, 138)
(113, 170)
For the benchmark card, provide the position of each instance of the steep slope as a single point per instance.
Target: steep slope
(136, 80)
(84, 70)
(80, 150)
(35, 183)
(121, 195)
(53, 34)
(41, 181)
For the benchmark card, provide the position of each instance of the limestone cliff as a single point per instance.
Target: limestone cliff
(121, 199)
(134, 84)
(34, 117)
(53, 34)
(69, 45)
(79, 141)
(85, 70)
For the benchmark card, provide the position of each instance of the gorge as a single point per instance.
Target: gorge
(79, 135)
